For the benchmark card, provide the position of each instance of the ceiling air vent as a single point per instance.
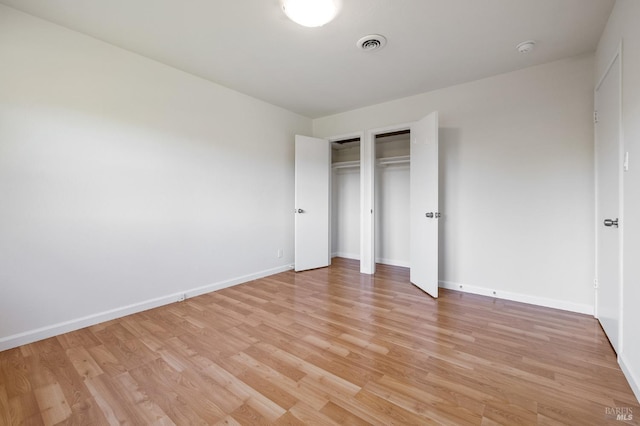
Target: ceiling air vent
(371, 42)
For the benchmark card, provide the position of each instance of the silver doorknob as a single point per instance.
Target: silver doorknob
(300, 211)
(611, 222)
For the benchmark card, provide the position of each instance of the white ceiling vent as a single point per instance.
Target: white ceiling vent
(371, 42)
(526, 46)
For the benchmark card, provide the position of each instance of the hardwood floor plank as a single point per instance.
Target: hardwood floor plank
(53, 404)
(23, 409)
(136, 397)
(356, 374)
(83, 362)
(83, 338)
(247, 415)
(251, 397)
(5, 412)
(106, 360)
(342, 416)
(156, 379)
(280, 368)
(327, 346)
(14, 371)
(309, 416)
(293, 388)
(112, 402)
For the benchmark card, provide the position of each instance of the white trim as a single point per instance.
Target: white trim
(367, 229)
(31, 336)
(519, 297)
(367, 202)
(616, 55)
(345, 136)
(621, 149)
(393, 262)
(352, 165)
(632, 377)
(353, 256)
(383, 261)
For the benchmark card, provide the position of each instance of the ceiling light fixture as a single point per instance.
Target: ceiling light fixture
(311, 13)
(526, 46)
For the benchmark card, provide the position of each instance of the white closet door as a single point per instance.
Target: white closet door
(312, 179)
(424, 204)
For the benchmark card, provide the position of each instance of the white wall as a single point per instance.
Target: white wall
(345, 219)
(124, 182)
(392, 204)
(392, 218)
(623, 25)
(392, 232)
(516, 181)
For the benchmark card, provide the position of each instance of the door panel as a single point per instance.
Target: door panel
(312, 180)
(608, 179)
(424, 201)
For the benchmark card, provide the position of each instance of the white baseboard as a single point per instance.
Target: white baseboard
(384, 261)
(353, 256)
(392, 262)
(31, 336)
(519, 297)
(631, 375)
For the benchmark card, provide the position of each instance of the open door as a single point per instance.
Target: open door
(608, 212)
(312, 180)
(424, 204)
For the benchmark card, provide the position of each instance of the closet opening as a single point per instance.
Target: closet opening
(392, 187)
(345, 198)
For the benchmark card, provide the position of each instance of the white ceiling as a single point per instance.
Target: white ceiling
(250, 46)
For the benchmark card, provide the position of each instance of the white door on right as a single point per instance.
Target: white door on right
(423, 207)
(608, 179)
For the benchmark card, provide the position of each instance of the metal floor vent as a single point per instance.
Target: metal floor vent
(371, 42)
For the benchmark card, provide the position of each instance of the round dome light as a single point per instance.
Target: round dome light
(311, 13)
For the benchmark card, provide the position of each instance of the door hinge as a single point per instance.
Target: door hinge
(595, 283)
(625, 163)
(595, 117)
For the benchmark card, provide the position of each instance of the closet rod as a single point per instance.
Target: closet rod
(346, 164)
(394, 160)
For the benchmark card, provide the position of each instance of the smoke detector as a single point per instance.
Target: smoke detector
(526, 46)
(371, 42)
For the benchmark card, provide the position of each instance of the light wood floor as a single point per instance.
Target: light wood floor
(329, 346)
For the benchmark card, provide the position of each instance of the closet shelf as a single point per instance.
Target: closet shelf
(346, 164)
(402, 159)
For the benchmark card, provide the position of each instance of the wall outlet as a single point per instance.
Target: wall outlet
(280, 253)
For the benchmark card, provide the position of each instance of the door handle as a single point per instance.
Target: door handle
(299, 211)
(431, 215)
(611, 222)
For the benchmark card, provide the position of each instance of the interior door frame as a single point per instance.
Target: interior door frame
(621, 154)
(368, 221)
(330, 140)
